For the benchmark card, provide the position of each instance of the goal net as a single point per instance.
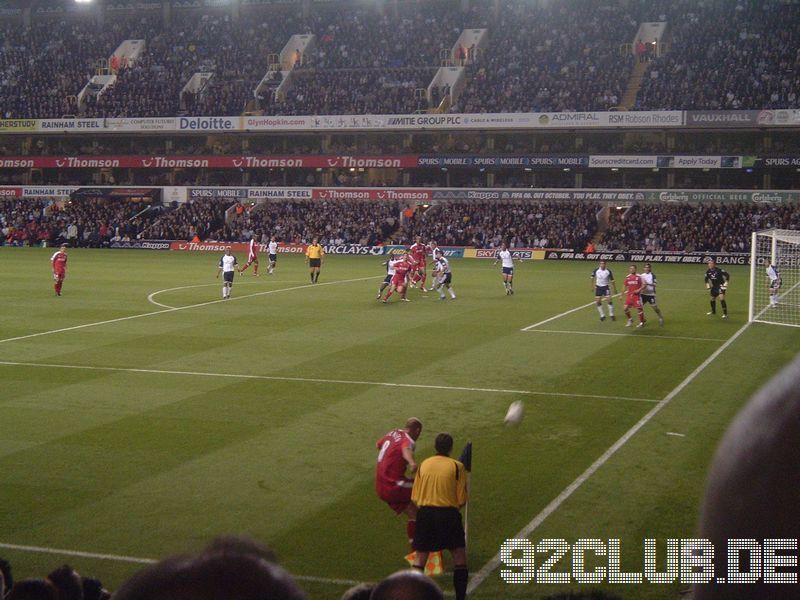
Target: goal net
(775, 277)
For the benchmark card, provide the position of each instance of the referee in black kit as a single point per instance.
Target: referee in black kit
(440, 490)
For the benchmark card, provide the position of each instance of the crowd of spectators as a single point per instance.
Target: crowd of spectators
(201, 219)
(371, 37)
(87, 222)
(99, 222)
(694, 227)
(229, 567)
(550, 56)
(727, 55)
(63, 583)
(357, 92)
(42, 68)
(367, 223)
(487, 224)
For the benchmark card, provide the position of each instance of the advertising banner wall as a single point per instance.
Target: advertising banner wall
(409, 161)
(414, 195)
(743, 119)
(731, 258)
(718, 119)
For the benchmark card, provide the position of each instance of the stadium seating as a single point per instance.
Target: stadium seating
(692, 227)
(526, 225)
(727, 55)
(558, 56)
(333, 221)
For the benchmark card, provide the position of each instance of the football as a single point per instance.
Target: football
(514, 413)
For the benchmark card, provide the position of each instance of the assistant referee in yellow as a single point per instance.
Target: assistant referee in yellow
(440, 490)
(314, 254)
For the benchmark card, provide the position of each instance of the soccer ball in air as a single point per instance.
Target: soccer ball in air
(514, 413)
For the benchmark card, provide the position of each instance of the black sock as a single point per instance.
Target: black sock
(316, 277)
(312, 278)
(724, 307)
(713, 307)
(460, 579)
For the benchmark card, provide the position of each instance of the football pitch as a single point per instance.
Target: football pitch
(141, 415)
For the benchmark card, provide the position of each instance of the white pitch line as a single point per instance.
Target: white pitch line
(554, 504)
(188, 287)
(672, 433)
(187, 307)
(149, 561)
(630, 335)
(320, 380)
(558, 316)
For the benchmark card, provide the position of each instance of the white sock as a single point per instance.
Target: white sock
(452, 293)
(224, 291)
(600, 310)
(611, 309)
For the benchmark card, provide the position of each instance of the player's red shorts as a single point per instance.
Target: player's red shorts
(252, 258)
(397, 497)
(633, 300)
(58, 276)
(399, 280)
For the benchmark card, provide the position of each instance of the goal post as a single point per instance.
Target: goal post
(775, 277)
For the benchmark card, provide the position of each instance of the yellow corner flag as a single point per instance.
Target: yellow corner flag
(433, 567)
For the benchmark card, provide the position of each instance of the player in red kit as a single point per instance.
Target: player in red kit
(633, 296)
(395, 456)
(399, 280)
(419, 251)
(252, 257)
(59, 264)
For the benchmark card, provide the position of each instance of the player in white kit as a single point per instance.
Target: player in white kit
(602, 283)
(504, 255)
(272, 250)
(444, 277)
(227, 266)
(649, 291)
(774, 284)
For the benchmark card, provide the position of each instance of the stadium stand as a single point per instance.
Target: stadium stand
(727, 55)
(333, 221)
(558, 56)
(486, 224)
(692, 227)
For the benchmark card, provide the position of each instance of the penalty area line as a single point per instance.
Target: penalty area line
(321, 380)
(149, 561)
(554, 504)
(558, 316)
(176, 309)
(630, 335)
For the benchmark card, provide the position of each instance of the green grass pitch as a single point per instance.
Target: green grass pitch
(259, 415)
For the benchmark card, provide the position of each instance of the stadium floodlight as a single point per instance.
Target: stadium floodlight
(775, 253)
(84, 1)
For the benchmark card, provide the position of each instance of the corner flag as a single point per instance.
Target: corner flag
(466, 460)
(466, 457)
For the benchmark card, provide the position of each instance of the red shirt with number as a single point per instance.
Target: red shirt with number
(632, 284)
(391, 470)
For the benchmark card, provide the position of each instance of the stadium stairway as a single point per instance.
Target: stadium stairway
(634, 85)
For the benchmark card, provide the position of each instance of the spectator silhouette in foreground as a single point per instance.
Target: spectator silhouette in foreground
(753, 488)
(407, 585)
(362, 591)
(228, 569)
